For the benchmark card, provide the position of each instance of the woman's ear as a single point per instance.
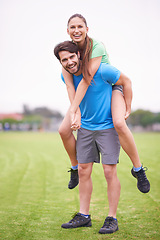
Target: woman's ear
(87, 29)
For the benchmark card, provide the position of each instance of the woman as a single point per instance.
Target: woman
(92, 54)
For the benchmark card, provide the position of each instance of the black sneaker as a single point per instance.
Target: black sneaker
(110, 226)
(78, 221)
(142, 181)
(74, 180)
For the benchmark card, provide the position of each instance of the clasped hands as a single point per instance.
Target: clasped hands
(75, 118)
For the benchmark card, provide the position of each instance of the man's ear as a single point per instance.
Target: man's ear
(78, 54)
(67, 31)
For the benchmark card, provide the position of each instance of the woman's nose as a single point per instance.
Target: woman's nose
(76, 29)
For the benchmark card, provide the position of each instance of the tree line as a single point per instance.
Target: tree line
(143, 118)
(43, 117)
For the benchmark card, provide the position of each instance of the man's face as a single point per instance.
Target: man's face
(70, 61)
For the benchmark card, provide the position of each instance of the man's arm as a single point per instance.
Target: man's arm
(127, 91)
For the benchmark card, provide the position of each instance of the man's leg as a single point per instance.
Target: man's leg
(69, 143)
(113, 191)
(85, 186)
(82, 219)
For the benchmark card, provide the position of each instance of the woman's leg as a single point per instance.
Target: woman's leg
(125, 136)
(68, 139)
(127, 141)
(69, 143)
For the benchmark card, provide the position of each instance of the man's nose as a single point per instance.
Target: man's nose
(69, 61)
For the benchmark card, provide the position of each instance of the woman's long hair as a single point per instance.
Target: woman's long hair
(86, 54)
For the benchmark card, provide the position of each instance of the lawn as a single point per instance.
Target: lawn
(35, 200)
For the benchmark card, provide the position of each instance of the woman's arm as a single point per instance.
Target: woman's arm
(71, 94)
(94, 64)
(69, 84)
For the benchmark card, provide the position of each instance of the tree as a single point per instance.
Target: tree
(141, 117)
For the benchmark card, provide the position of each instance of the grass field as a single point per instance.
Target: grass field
(35, 200)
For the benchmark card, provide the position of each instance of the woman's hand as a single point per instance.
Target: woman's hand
(75, 119)
(128, 112)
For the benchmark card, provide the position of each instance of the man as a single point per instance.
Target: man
(96, 135)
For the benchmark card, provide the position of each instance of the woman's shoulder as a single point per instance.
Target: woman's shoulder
(96, 41)
(97, 44)
(98, 50)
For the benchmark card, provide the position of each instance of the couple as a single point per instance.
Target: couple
(97, 133)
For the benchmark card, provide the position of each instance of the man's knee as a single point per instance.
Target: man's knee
(110, 172)
(84, 171)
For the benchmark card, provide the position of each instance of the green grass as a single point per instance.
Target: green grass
(35, 201)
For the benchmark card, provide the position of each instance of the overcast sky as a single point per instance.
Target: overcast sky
(30, 29)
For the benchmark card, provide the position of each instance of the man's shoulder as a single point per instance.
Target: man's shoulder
(103, 67)
(107, 67)
(108, 73)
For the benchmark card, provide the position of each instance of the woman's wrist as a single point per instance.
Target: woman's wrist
(72, 110)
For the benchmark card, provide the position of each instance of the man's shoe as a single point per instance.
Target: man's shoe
(110, 226)
(74, 180)
(78, 221)
(142, 181)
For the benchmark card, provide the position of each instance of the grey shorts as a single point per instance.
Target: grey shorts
(117, 87)
(91, 143)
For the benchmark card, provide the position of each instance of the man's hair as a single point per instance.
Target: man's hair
(65, 46)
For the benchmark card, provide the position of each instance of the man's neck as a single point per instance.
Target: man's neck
(79, 71)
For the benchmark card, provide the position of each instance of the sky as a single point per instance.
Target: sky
(29, 30)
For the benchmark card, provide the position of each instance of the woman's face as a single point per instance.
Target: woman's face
(77, 30)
